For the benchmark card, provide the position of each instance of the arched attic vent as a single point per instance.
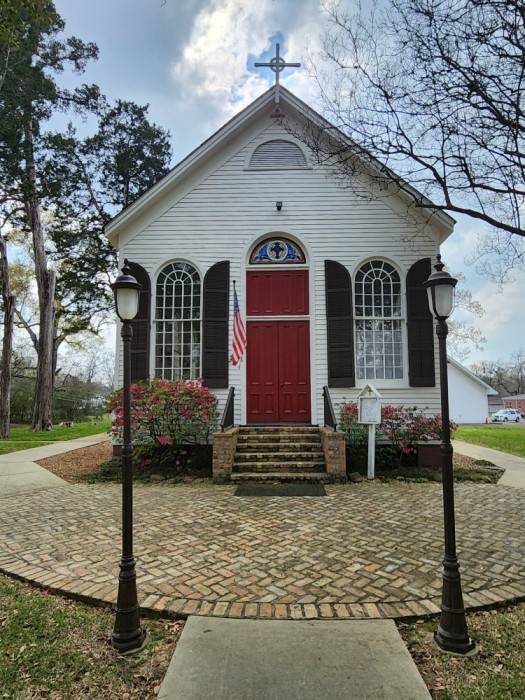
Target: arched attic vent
(278, 153)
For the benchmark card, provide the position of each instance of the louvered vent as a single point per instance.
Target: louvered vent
(278, 154)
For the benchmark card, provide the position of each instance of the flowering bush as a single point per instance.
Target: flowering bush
(404, 427)
(165, 412)
(355, 432)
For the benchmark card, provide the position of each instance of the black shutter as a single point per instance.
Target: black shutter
(339, 325)
(141, 326)
(420, 327)
(215, 326)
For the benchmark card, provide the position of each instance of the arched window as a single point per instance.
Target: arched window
(274, 251)
(378, 322)
(178, 322)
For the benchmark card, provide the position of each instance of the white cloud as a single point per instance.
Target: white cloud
(212, 67)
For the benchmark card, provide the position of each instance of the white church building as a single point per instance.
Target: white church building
(328, 276)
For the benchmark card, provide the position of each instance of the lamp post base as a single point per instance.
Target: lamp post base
(452, 635)
(457, 646)
(127, 644)
(128, 634)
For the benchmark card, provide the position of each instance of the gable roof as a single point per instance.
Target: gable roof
(470, 375)
(227, 132)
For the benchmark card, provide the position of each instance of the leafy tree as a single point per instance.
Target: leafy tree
(131, 154)
(87, 182)
(15, 15)
(62, 190)
(23, 382)
(434, 89)
(29, 96)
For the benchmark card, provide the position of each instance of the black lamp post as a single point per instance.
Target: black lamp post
(127, 632)
(452, 635)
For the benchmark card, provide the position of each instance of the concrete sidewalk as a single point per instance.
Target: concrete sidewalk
(514, 466)
(19, 472)
(219, 659)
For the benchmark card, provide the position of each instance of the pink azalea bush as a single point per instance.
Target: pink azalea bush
(166, 417)
(403, 426)
(165, 412)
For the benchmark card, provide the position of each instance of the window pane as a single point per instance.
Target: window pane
(178, 322)
(378, 336)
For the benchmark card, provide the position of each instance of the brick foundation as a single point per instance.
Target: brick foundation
(334, 448)
(224, 446)
(429, 454)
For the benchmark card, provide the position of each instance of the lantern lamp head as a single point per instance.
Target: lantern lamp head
(440, 288)
(126, 290)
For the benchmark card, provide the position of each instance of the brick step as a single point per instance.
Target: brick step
(314, 477)
(278, 440)
(280, 456)
(267, 430)
(259, 448)
(278, 467)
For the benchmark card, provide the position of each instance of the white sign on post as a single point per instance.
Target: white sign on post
(369, 413)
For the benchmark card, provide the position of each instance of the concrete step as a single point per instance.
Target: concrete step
(269, 467)
(262, 477)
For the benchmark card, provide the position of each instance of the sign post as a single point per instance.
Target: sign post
(369, 413)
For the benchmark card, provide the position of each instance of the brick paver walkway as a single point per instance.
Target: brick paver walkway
(365, 550)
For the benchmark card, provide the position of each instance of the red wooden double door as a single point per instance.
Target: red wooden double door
(278, 349)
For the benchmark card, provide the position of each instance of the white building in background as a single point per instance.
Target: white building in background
(468, 395)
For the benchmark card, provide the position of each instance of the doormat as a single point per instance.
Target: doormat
(282, 489)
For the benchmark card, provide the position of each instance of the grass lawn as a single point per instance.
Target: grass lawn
(56, 648)
(505, 438)
(21, 439)
(496, 673)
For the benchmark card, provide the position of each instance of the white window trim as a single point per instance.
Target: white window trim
(155, 321)
(402, 383)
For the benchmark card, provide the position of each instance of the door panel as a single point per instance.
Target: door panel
(278, 371)
(277, 293)
(262, 371)
(294, 371)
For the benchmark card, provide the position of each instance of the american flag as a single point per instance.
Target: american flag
(239, 333)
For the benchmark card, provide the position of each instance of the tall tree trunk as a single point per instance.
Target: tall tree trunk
(44, 382)
(46, 282)
(7, 344)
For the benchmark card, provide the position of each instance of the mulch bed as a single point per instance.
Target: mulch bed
(71, 466)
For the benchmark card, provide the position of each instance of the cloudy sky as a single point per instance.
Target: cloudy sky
(192, 62)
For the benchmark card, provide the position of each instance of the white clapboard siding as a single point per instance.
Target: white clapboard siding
(225, 207)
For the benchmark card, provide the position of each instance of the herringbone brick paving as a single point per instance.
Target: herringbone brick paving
(365, 550)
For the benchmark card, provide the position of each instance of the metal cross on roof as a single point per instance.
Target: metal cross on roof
(277, 64)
